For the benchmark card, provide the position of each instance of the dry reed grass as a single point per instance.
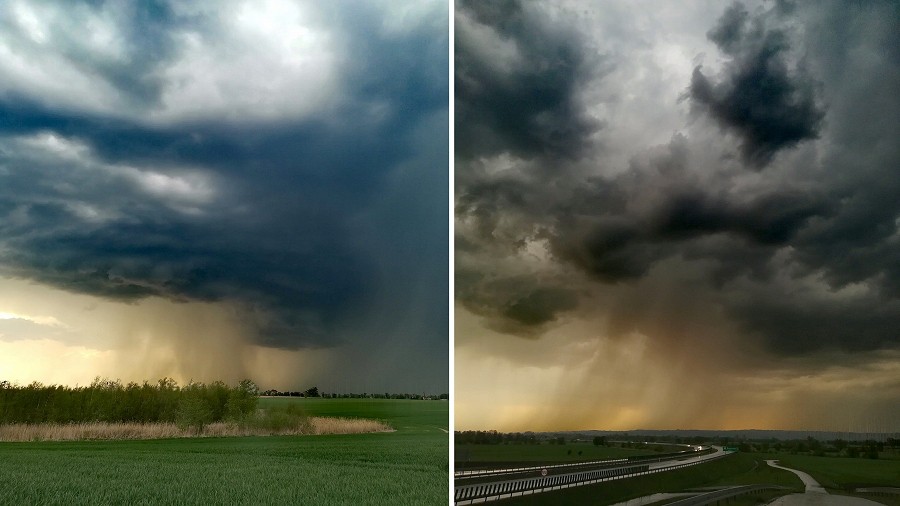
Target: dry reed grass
(110, 431)
(322, 425)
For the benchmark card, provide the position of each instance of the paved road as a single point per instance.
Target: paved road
(719, 452)
(815, 495)
(812, 486)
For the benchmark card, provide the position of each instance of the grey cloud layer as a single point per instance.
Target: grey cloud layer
(515, 81)
(231, 180)
(770, 189)
(768, 106)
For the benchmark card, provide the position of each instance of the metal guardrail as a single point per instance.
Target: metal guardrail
(469, 494)
(484, 492)
(489, 472)
(473, 473)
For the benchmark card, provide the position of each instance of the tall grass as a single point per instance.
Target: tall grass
(264, 426)
(322, 425)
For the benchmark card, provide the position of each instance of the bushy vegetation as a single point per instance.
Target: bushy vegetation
(279, 419)
(191, 406)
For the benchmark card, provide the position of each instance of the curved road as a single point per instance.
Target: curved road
(815, 495)
(812, 486)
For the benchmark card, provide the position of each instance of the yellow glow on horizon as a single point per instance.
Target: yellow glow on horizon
(51, 362)
(78, 337)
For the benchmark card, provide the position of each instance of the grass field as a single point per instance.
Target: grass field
(842, 473)
(408, 466)
(543, 452)
(736, 469)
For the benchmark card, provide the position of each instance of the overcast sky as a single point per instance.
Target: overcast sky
(225, 189)
(677, 215)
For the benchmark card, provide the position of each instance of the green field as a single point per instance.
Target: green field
(408, 466)
(736, 469)
(843, 473)
(543, 452)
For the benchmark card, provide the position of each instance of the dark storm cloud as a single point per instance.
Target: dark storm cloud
(758, 97)
(306, 219)
(612, 245)
(519, 304)
(801, 257)
(795, 327)
(516, 83)
(772, 219)
(516, 92)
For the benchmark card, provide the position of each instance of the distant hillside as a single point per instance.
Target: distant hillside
(733, 435)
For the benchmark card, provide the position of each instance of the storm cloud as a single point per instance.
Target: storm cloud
(759, 97)
(729, 190)
(288, 158)
(516, 82)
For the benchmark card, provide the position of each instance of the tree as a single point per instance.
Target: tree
(242, 400)
(312, 392)
(599, 440)
(193, 413)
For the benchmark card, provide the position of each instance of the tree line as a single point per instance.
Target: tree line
(489, 437)
(314, 392)
(110, 401)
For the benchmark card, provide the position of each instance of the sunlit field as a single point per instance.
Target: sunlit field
(406, 466)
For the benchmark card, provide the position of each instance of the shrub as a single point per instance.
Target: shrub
(193, 413)
(290, 418)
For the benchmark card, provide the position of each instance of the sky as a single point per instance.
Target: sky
(218, 190)
(677, 215)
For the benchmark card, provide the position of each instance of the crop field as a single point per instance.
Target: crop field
(408, 466)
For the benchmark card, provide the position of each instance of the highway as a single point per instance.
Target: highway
(493, 485)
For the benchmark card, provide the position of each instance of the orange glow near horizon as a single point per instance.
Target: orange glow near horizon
(629, 385)
(70, 339)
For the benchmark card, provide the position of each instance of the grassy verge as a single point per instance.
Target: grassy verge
(406, 467)
(737, 469)
(470, 454)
